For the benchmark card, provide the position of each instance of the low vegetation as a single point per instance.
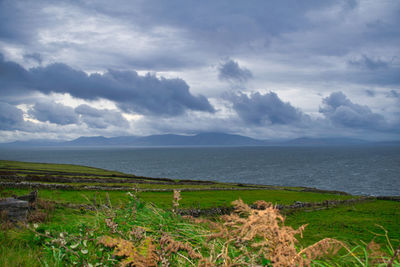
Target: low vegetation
(263, 227)
(7, 165)
(140, 234)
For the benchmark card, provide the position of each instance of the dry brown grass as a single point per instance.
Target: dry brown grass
(262, 233)
(169, 245)
(247, 237)
(40, 211)
(44, 204)
(375, 253)
(141, 256)
(5, 223)
(113, 226)
(37, 216)
(3, 215)
(137, 233)
(175, 200)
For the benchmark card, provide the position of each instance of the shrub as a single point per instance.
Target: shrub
(140, 234)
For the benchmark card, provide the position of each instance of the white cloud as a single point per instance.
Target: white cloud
(302, 53)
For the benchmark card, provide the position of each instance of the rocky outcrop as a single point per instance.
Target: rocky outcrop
(31, 197)
(14, 210)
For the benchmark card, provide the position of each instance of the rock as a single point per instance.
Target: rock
(31, 197)
(391, 198)
(14, 209)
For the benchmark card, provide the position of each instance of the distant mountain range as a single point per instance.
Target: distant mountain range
(202, 139)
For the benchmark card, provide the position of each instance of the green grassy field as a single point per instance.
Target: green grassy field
(351, 223)
(355, 223)
(30, 166)
(202, 199)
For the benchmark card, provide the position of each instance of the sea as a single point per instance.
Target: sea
(359, 170)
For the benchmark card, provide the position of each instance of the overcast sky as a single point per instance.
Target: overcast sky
(265, 69)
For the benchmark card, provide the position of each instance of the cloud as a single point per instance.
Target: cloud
(264, 109)
(232, 72)
(369, 92)
(13, 77)
(151, 35)
(158, 36)
(345, 43)
(366, 62)
(54, 113)
(342, 111)
(132, 92)
(393, 94)
(16, 23)
(101, 118)
(11, 117)
(35, 57)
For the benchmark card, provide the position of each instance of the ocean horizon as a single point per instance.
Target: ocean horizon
(358, 170)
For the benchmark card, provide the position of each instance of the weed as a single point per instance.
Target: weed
(175, 200)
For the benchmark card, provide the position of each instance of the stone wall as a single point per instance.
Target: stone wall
(14, 209)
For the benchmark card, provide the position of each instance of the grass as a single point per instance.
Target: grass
(352, 223)
(29, 166)
(15, 253)
(191, 199)
(355, 224)
(131, 186)
(20, 247)
(104, 236)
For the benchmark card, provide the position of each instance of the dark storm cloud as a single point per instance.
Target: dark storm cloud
(17, 23)
(53, 112)
(101, 118)
(132, 92)
(393, 94)
(370, 93)
(11, 117)
(35, 57)
(381, 74)
(260, 109)
(300, 45)
(342, 111)
(201, 29)
(231, 71)
(199, 32)
(13, 77)
(217, 21)
(366, 62)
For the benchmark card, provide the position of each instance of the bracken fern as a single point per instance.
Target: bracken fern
(140, 234)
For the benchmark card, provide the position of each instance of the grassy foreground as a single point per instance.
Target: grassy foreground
(141, 229)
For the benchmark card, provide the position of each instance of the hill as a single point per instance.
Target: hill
(201, 139)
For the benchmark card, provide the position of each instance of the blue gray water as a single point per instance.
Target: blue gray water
(356, 170)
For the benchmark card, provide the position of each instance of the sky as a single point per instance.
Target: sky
(265, 69)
